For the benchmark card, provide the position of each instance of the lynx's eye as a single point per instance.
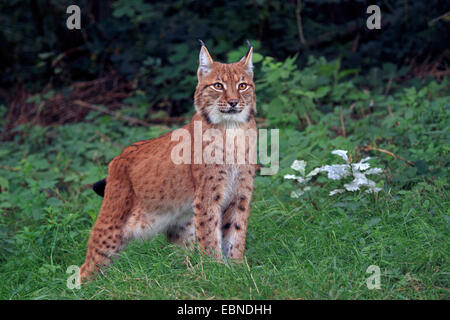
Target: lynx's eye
(242, 86)
(218, 86)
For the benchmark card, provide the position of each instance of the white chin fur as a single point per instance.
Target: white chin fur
(227, 119)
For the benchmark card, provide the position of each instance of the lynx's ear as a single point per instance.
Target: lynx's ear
(205, 61)
(247, 59)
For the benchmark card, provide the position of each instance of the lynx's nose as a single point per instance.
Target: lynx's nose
(233, 102)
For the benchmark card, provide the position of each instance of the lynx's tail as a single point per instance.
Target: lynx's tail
(99, 187)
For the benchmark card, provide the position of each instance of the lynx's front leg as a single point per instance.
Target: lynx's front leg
(208, 204)
(235, 217)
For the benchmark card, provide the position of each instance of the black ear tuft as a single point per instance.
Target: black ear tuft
(99, 187)
(202, 43)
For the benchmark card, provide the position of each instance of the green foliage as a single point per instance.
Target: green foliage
(154, 44)
(409, 122)
(288, 94)
(312, 247)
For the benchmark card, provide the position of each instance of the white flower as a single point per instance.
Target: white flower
(371, 190)
(301, 180)
(374, 171)
(341, 153)
(360, 166)
(360, 181)
(296, 194)
(294, 177)
(336, 171)
(352, 186)
(299, 165)
(358, 170)
(336, 191)
(314, 172)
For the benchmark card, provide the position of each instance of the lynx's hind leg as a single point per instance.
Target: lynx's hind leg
(107, 236)
(183, 232)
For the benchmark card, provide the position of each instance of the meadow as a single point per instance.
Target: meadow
(315, 246)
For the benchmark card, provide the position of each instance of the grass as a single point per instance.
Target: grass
(311, 248)
(314, 247)
(294, 251)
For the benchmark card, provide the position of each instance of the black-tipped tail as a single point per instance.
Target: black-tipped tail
(99, 187)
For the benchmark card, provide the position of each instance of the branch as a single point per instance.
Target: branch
(10, 168)
(298, 11)
(130, 119)
(369, 148)
(341, 115)
(444, 16)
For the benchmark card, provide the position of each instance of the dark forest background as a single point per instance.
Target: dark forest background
(148, 49)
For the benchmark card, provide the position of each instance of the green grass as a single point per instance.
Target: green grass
(295, 250)
(314, 247)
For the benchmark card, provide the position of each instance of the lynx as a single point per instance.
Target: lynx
(146, 193)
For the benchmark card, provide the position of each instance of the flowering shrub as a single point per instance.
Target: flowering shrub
(358, 170)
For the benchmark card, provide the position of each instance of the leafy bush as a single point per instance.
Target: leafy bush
(404, 125)
(154, 46)
(290, 95)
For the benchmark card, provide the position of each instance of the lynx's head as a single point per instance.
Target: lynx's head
(225, 93)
